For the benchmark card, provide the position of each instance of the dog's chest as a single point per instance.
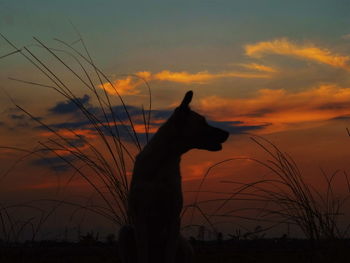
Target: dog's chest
(158, 193)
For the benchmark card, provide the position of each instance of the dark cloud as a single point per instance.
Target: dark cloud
(24, 117)
(17, 119)
(56, 164)
(135, 113)
(121, 114)
(69, 106)
(236, 127)
(118, 113)
(335, 106)
(125, 133)
(161, 114)
(342, 118)
(69, 125)
(78, 141)
(17, 116)
(261, 112)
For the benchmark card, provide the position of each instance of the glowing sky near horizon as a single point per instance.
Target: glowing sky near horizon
(279, 69)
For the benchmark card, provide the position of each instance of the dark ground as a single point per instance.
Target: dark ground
(264, 250)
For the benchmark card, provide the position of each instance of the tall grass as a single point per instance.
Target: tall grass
(23, 221)
(104, 164)
(284, 197)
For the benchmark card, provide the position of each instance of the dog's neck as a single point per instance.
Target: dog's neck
(167, 140)
(163, 150)
(164, 144)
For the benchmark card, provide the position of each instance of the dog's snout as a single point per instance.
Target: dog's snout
(221, 135)
(225, 135)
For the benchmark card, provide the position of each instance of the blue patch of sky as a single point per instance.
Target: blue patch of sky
(126, 26)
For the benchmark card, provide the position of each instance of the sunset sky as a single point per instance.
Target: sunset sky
(277, 69)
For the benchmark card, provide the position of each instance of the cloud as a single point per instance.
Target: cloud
(346, 37)
(60, 152)
(81, 122)
(108, 124)
(125, 86)
(74, 141)
(69, 106)
(20, 121)
(305, 51)
(343, 118)
(161, 114)
(201, 77)
(276, 110)
(130, 84)
(56, 163)
(259, 67)
(17, 116)
(237, 127)
(121, 114)
(108, 127)
(67, 125)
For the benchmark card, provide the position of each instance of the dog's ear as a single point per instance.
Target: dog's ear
(186, 100)
(181, 112)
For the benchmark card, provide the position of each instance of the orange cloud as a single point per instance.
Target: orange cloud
(201, 77)
(68, 135)
(307, 51)
(259, 67)
(125, 86)
(140, 128)
(281, 108)
(130, 84)
(184, 77)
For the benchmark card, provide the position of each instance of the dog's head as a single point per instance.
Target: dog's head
(193, 131)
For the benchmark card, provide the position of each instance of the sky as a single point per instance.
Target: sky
(276, 69)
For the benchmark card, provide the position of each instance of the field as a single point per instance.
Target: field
(244, 251)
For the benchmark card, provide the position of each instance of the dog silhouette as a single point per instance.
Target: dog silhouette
(155, 198)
